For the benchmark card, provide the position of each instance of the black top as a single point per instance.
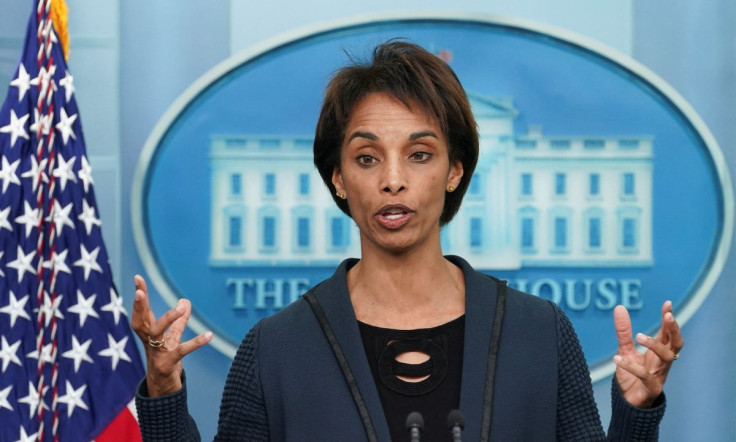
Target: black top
(433, 397)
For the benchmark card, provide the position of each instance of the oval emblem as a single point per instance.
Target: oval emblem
(597, 184)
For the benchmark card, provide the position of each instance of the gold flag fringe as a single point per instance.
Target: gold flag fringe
(59, 17)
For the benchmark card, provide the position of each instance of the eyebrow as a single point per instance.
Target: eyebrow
(371, 136)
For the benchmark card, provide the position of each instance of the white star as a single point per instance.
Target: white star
(16, 128)
(7, 173)
(22, 263)
(115, 306)
(61, 217)
(65, 125)
(22, 82)
(31, 218)
(85, 174)
(37, 172)
(44, 78)
(1, 270)
(73, 398)
(116, 350)
(4, 223)
(41, 124)
(50, 308)
(15, 308)
(27, 437)
(88, 261)
(88, 217)
(64, 171)
(4, 393)
(78, 353)
(84, 307)
(33, 400)
(8, 353)
(68, 84)
(46, 355)
(57, 263)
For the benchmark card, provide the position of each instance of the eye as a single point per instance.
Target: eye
(421, 157)
(365, 160)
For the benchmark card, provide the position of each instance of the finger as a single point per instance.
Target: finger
(177, 327)
(622, 324)
(158, 327)
(670, 331)
(193, 344)
(630, 366)
(142, 315)
(662, 350)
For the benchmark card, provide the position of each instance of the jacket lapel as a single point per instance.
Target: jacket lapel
(334, 299)
(480, 307)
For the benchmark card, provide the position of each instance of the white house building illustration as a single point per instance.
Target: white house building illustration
(534, 201)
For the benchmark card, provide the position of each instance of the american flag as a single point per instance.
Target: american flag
(69, 364)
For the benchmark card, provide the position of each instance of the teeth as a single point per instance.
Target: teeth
(394, 215)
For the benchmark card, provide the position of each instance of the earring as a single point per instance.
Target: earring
(340, 195)
(450, 189)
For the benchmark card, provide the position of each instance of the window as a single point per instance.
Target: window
(339, 233)
(304, 184)
(594, 233)
(560, 232)
(629, 184)
(269, 232)
(303, 231)
(337, 226)
(235, 232)
(475, 186)
(476, 232)
(628, 235)
(594, 144)
(235, 184)
(560, 184)
(559, 144)
(595, 184)
(527, 233)
(526, 144)
(526, 184)
(269, 184)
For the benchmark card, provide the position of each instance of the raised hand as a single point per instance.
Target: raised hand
(162, 341)
(641, 376)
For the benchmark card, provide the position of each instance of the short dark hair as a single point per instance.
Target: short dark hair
(415, 77)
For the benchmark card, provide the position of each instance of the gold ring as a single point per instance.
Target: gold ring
(676, 356)
(156, 344)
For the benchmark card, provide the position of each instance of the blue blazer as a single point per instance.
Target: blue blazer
(307, 397)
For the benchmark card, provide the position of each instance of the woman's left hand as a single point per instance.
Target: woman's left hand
(641, 376)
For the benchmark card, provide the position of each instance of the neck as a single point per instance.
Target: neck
(412, 289)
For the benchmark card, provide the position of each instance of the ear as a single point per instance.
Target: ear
(455, 175)
(337, 180)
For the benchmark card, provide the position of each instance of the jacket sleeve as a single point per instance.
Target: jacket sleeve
(577, 413)
(242, 410)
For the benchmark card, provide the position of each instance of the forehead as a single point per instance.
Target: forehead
(382, 108)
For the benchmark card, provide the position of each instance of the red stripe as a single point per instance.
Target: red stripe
(123, 427)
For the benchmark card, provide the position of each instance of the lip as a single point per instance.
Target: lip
(393, 216)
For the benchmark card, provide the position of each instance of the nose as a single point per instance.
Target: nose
(394, 178)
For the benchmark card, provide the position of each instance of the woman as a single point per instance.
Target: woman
(404, 328)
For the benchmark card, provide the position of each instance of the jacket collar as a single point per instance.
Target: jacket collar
(480, 299)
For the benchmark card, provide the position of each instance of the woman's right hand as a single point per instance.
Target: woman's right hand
(162, 341)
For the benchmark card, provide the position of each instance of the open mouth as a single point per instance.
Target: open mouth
(394, 216)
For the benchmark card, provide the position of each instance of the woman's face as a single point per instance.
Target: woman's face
(394, 171)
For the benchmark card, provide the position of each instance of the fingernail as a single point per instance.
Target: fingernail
(208, 335)
(641, 338)
(668, 316)
(617, 358)
(179, 307)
